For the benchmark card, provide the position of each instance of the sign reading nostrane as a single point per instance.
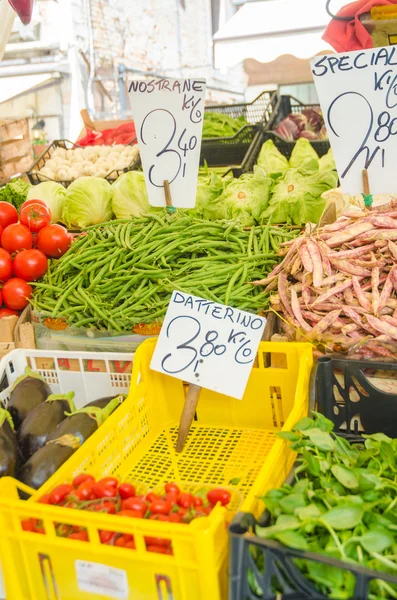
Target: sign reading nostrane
(168, 115)
(358, 96)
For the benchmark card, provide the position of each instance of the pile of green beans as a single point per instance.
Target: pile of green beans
(122, 273)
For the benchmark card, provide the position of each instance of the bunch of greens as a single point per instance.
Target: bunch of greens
(220, 125)
(15, 192)
(343, 504)
(275, 164)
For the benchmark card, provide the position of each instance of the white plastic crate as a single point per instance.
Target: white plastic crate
(90, 375)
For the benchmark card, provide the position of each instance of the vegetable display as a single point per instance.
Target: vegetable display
(14, 192)
(98, 161)
(220, 125)
(339, 285)
(307, 124)
(110, 496)
(123, 273)
(341, 504)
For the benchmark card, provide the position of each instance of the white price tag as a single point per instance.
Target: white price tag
(209, 344)
(101, 579)
(168, 116)
(358, 96)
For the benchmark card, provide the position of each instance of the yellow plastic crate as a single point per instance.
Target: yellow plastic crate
(230, 440)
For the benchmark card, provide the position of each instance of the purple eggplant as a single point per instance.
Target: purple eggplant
(28, 391)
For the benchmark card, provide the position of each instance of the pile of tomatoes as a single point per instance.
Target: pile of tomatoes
(27, 241)
(110, 496)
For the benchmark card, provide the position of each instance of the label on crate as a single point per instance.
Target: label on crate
(168, 116)
(358, 96)
(102, 580)
(209, 344)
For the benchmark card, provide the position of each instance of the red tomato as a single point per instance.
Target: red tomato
(159, 517)
(84, 490)
(35, 216)
(45, 499)
(172, 488)
(79, 479)
(186, 500)
(134, 504)
(54, 240)
(130, 544)
(59, 493)
(5, 265)
(159, 549)
(16, 293)
(33, 201)
(134, 514)
(172, 497)
(105, 507)
(105, 536)
(160, 507)
(16, 237)
(79, 535)
(219, 495)
(120, 542)
(151, 496)
(197, 501)
(39, 530)
(7, 312)
(28, 524)
(109, 481)
(8, 214)
(153, 541)
(104, 490)
(126, 490)
(30, 265)
(175, 518)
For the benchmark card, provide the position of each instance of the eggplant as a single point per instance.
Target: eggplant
(28, 391)
(48, 459)
(9, 452)
(43, 420)
(102, 402)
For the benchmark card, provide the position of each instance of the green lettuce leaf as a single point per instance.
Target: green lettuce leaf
(327, 162)
(271, 160)
(302, 153)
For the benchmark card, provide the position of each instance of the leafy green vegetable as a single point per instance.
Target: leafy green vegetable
(130, 197)
(88, 202)
(327, 162)
(220, 125)
(209, 190)
(302, 153)
(53, 194)
(15, 193)
(271, 160)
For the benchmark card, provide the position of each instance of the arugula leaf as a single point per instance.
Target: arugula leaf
(345, 476)
(343, 517)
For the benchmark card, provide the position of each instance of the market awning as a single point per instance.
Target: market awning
(272, 28)
(13, 86)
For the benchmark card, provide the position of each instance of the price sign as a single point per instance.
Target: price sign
(209, 344)
(168, 116)
(358, 96)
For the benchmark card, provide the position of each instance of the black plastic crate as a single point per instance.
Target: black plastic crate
(342, 392)
(280, 577)
(233, 150)
(35, 177)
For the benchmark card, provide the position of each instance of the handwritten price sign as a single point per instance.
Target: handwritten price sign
(358, 96)
(168, 115)
(208, 344)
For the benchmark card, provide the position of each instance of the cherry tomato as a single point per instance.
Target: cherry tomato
(35, 216)
(172, 488)
(134, 504)
(130, 544)
(33, 201)
(8, 214)
(5, 265)
(105, 507)
(28, 524)
(79, 479)
(39, 530)
(126, 490)
(120, 542)
(45, 499)
(7, 312)
(16, 293)
(110, 481)
(84, 490)
(104, 490)
(153, 541)
(134, 514)
(186, 500)
(16, 237)
(207, 509)
(79, 535)
(159, 549)
(30, 265)
(172, 497)
(151, 496)
(159, 517)
(219, 495)
(175, 518)
(54, 240)
(197, 501)
(59, 493)
(105, 536)
(160, 507)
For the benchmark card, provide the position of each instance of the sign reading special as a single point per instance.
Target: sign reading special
(168, 116)
(209, 344)
(358, 97)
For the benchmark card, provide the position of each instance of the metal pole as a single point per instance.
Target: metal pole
(122, 94)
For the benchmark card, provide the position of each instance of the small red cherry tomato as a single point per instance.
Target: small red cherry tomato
(84, 490)
(104, 490)
(105, 536)
(172, 488)
(120, 542)
(79, 479)
(45, 499)
(186, 500)
(151, 496)
(219, 495)
(130, 544)
(197, 501)
(126, 490)
(105, 507)
(159, 517)
(154, 541)
(59, 493)
(159, 549)
(134, 514)
(82, 536)
(111, 481)
(175, 517)
(134, 504)
(160, 507)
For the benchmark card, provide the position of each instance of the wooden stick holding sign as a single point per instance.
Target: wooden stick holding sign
(193, 391)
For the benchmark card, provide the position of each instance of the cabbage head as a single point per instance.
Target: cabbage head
(130, 198)
(297, 195)
(209, 190)
(327, 162)
(88, 202)
(246, 198)
(271, 160)
(53, 194)
(302, 153)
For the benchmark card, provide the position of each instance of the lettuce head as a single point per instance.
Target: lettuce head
(271, 160)
(53, 194)
(130, 198)
(327, 162)
(88, 201)
(209, 190)
(302, 153)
